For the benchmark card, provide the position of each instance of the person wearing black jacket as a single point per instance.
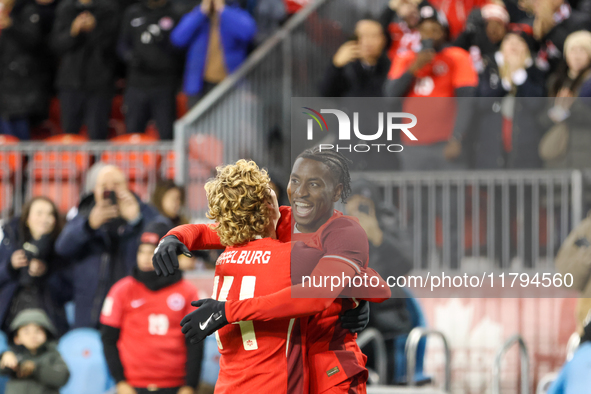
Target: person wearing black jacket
(84, 37)
(359, 68)
(154, 66)
(25, 72)
(509, 79)
(102, 240)
(485, 29)
(554, 20)
(31, 274)
(141, 320)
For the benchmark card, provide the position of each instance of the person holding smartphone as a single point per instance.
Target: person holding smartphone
(360, 66)
(102, 239)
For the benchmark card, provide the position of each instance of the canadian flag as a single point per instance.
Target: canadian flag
(294, 6)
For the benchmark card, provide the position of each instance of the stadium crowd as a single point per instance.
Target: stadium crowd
(84, 53)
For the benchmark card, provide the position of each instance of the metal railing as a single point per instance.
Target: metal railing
(372, 335)
(514, 219)
(59, 172)
(524, 358)
(249, 112)
(412, 344)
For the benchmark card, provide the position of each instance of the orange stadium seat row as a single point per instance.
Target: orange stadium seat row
(59, 174)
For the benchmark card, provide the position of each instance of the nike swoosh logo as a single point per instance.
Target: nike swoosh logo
(202, 325)
(137, 303)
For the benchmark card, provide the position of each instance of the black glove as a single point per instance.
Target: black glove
(356, 319)
(209, 317)
(165, 259)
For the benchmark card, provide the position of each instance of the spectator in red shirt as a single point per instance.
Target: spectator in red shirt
(456, 12)
(437, 70)
(400, 20)
(145, 349)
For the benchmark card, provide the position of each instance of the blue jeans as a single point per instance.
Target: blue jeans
(16, 127)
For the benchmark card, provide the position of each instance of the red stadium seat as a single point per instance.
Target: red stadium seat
(117, 108)
(206, 149)
(58, 173)
(168, 166)
(152, 131)
(53, 164)
(198, 200)
(8, 160)
(136, 165)
(182, 105)
(64, 193)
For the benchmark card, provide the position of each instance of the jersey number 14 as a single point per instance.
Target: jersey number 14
(249, 339)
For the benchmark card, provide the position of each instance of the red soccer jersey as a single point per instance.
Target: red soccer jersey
(450, 69)
(402, 39)
(151, 338)
(255, 355)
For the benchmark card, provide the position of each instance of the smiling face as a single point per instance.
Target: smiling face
(312, 191)
(577, 59)
(41, 219)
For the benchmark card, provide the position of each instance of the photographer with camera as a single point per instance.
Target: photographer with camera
(102, 240)
(30, 274)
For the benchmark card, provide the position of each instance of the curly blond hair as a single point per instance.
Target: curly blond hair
(237, 202)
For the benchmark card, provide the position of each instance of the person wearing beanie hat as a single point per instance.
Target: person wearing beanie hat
(140, 327)
(33, 363)
(484, 32)
(574, 377)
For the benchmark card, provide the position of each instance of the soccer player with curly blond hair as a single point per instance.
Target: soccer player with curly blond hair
(331, 244)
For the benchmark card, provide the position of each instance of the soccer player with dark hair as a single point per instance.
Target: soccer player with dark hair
(332, 244)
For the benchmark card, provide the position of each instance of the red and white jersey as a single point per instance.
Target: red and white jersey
(402, 39)
(257, 356)
(150, 338)
(450, 69)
